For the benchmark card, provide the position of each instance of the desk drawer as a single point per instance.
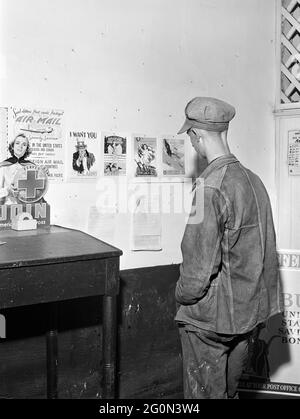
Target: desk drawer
(58, 281)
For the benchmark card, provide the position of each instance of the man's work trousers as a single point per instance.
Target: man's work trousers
(212, 363)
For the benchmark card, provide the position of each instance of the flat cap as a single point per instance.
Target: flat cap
(207, 113)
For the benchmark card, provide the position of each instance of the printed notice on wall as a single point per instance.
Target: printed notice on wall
(83, 154)
(294, 153)
(146, 223)
(44, 131)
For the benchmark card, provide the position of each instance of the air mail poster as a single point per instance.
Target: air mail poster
(44, 129)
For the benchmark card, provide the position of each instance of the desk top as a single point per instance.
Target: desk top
(50, 245)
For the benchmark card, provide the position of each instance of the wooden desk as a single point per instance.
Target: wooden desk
(55, 264)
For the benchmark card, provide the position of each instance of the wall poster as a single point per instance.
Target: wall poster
(115, 153)
(173, 156)
(44, 128)
(83, 154)
(145, 156)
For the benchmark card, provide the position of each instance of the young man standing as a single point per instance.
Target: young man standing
(229, 280)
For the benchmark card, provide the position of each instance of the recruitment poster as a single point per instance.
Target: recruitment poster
(83, 154)
(145, 156)
(44, 129)
(173, 156)
(115, 153)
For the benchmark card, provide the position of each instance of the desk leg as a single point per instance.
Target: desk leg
(52, 357)
(109, 346)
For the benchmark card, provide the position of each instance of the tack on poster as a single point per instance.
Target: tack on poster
(145, 156)
(173, 156)
(83, 154)
(115, 153)
(44, 129)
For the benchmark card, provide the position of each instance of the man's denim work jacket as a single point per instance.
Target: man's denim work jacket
(229, 278)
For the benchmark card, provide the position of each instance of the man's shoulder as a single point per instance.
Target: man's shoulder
(245, 173)
(228, 178)
(214, 179)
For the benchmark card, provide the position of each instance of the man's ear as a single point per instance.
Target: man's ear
(198, 135)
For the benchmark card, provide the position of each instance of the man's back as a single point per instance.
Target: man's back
(243, 289)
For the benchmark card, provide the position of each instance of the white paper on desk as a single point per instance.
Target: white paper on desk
(102, 223)
(146, 225)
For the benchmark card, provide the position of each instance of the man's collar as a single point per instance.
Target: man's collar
(218, 163)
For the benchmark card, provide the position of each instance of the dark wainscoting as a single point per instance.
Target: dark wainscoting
(149, 360)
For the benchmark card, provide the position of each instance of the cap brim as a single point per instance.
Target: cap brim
(187, 125)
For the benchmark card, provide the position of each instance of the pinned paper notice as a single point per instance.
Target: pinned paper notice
(146, 225)
(294, 153)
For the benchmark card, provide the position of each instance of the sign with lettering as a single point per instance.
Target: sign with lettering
(30, 184)
(289, 259)
(274, 361)
(44, 129)
(40, 211)
(83, 155)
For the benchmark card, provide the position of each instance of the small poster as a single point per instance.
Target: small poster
(294, 153)
(43, 128)
(83, 154)
(145, 156)
(115, 152)
(173, 156)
